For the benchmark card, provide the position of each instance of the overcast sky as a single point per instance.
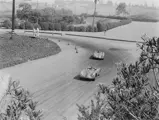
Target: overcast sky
(149, 2)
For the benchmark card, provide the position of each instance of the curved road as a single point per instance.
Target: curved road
(54, 82)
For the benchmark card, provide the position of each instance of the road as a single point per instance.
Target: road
(53, 80)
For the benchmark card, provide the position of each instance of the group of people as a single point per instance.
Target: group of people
(36, 32)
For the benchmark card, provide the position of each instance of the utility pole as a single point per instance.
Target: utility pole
(13, 18)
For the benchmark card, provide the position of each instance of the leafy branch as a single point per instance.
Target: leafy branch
(131, 96)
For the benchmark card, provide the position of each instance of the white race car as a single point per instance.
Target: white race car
(98, 55)
(90, 73)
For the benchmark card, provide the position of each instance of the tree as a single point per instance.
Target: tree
(121, 9)
(131, 96)
(70, 28)
(57, 26)
(95, 3)
(21, 105)
(63, 26)
(7, 24)
(24, 11)
(100, 26)
(110, 3)
(35, 15)
(44, 25)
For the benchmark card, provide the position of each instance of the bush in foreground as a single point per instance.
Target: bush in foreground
(21, 105)
(131, 96)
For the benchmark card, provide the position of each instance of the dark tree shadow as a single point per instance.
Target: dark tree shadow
(118, 49)
(77, 77)
(32, 37)
(92, 58)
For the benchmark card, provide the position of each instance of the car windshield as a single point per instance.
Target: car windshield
(90, 68)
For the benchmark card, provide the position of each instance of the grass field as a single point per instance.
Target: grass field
(23, 48)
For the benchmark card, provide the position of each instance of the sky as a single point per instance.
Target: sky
(149, 2)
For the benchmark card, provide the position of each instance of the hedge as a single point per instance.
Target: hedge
(36, 25)
(44, 25)
(62, 26)
(107, 26)
(7, 24)
(28, 25)
(57, 26)
(51, 26)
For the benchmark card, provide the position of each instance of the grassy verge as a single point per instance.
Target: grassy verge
(23, 48)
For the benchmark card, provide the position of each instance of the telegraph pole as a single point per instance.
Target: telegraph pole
(13, 18)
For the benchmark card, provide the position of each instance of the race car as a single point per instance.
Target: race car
(98, 55)
(90, 73)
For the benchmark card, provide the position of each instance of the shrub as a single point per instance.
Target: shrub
(28, 25)
(36, 25)
(22, 26)
(51, 26)
(95, 29)
(44, 25)
(16, 25)
(131, 96)
(70, 28)
(57, 26)
(7, 24)
(63, 26)
(21, 105)
(89, 28)
(82, 29)
(76, 28)
(100, 26)
(110, 25)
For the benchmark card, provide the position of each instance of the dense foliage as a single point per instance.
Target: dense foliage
(110, 25)
(21, 105)
(43, 17)
(121, 9)
(7, 24)
(55, 19)
(131, 95)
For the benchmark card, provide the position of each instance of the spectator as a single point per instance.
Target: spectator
(37, 32)
(34, 32)
(105, 32)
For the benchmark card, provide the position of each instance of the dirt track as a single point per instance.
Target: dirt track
(54, 82)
